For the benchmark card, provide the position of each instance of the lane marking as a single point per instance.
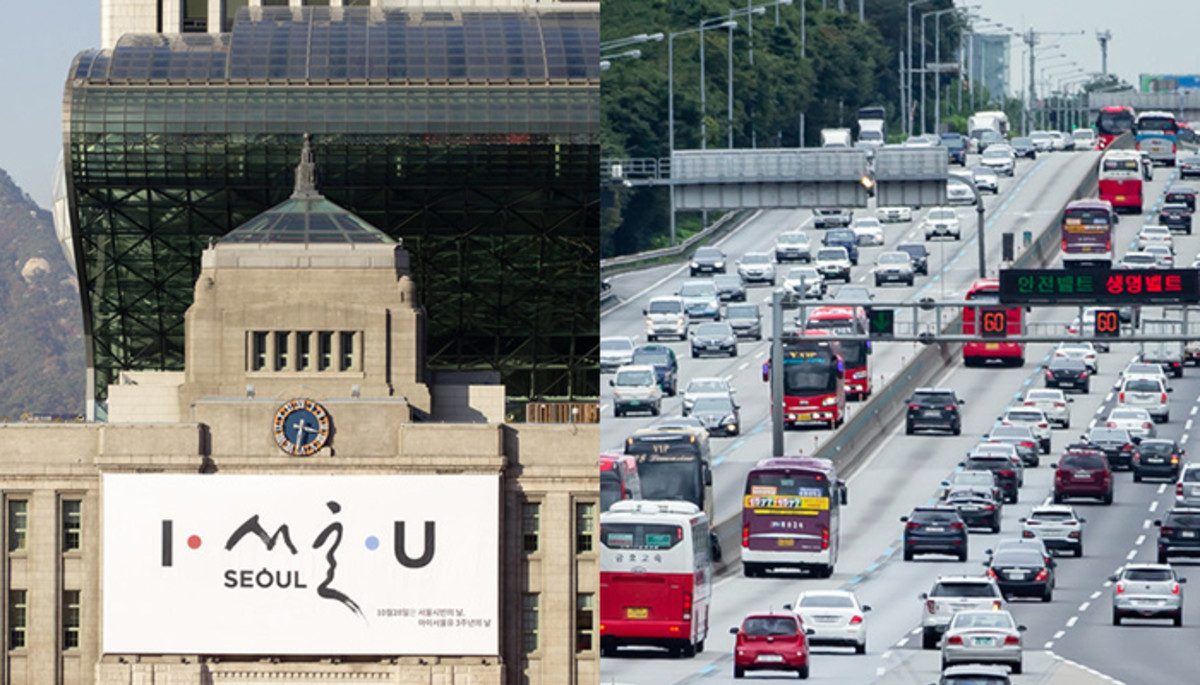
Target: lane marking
(1140, 540)
(1187, 425)
(1095, 595)
(1084, 607)
(1048, 645)
(1153, 506)
(1072, 621)
(1131, 555)
(1162, 488)
(1146, 524)
(1059, 634)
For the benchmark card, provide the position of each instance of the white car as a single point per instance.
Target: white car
(942, 222)
(1080, 350)
(1147, 393)
(1155, 235)
(986, 179)
(835, 617)
(756, 267)
(961, 188)
(1138, 260)
(983, 637)
(665, 317)
(615, 351)
(834, 262)
(893, 267)
(635, 388)
(1164, 257)
(1000, 159)
(1135, 420)
(805, 282)
(1042, 141)
(1056, 525)
(1142, 370)
(704, 387)
(867, 231)
(1033, 419)
(1062, 141)
(1085, 138)
(793, 246)
(893, 214)
(1054, 404)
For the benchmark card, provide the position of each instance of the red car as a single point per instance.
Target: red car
(770, 642)
(1083, 472)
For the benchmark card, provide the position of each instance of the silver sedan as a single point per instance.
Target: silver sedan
(1137, 421)
(982, 637)
(1053, 403)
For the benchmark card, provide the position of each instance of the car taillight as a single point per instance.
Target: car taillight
(1112, 424)
(745, 536)
(1147, 424)
(1007, 473)
(954, 640)
(1012, 640)
(1064, 247)
(856, 620)
(996, 605)
(1175, 588)
(1127, 447)
(931, 606)
(1163, 398)
(1027, 534)
(1121, 397)
(1043, 425)
(1179, 489)
(913, 525)
(1060, 404)
(989, 507)
(687, 605)
(957, 526)
(1167, 530)
(1083, 374)
(1120, 588)
(1042, 575)
(990, 573)
(914, 406)
(949, 407)
(1026, 443)
(1028, 403)
(1174, 459)
(1050, 375)
(825, 538)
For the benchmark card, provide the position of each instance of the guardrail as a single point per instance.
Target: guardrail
(630, 260)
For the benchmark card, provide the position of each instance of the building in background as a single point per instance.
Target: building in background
(989, 61)
(470, 133)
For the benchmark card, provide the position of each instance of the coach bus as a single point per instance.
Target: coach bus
(1158, 136)
(675, 464)
(855, 353)
(1111, 122)
(1120, 179)
(1087, 234)
(991, 322)
(790, 516)
(655, 577)
(814, 380)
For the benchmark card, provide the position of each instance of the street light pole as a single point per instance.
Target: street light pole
(906, 121)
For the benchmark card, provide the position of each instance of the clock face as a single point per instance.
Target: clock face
(301, 427)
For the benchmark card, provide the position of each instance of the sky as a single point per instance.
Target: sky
(38, 40)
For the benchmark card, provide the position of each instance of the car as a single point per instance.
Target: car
(771, 641)
(615, 351)
(1065, 372)
(1149, 394)
(665, 317)
(922, 140)
(700, 299)
(842, 237)
(1147, 591)
(1085, 138)
(1157, 458)
(718, 414)
(991, 637)
(1187, 488)
(1000, 159)
(793, 246)
(989, 138)
(1063, 141)
(1137, 369)
(756, 267)
(978, 508)
(1136, 420)
(936, 408)
(893, 214)
(1184, 195)
(956, 147)
(1189, 165)
(1001, 460)
(1082, 472)
(894, 267)
(1147, 165)
(1116, 443)
(1138, 260)
(746, 320)
(975, 479)
(1020, 543)
(833, 262)
(942, 222)
(986, 179)
(1079, 350)
(1176, 216)
(1022, 573)
(1179, 534)
(704, 387)
(707, 260)
(713, 338)
(1164, 258)
(1022, 439)
(1023, 147)
(730, 287)
(867, 231)
(666, 367)
(807, 282)
(960, 188)
(1054, 404)
(919, 254)
(934, 530)
(826, 217)
(852, 292)
(1154, 235)
(835, 618)
(950, 595)
(1033, 419)
(974, 674)
(1042, 141)
(1057, 526)
(636, 389)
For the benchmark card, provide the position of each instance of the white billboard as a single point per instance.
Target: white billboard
(322, 565)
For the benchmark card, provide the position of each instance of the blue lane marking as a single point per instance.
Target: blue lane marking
(736, 444)
(1046, 358)
(708, 669)
(718, 460)
(1027, 381)
(888, 552)
(856, 579)
(872, 567)
(758, 429)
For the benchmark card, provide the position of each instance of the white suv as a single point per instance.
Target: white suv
(1056, 525)
(635, 388)
(942, 222)
(665, 316)
(950, 595)
(1146, 393)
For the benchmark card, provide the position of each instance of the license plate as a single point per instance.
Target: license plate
(935, 529)
(637, 612)
(931, 413)
(970, 508)
(991, 346)
(634, 403)
(771, 658)
(803, 417)
(1068, 384)
(983, 642)
(1120, 197)
(1187, 533)
(1154, 461)
(1012, 575)
(785, 542)
(1083, 475)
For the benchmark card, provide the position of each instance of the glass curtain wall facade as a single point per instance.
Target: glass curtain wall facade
(469, 134)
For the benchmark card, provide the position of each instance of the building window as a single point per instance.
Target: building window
(281, 351)
(531, 523)
(16, 619)
(324, 350)
(529, 622)
(258, 350)
(18, 522)
(304, 351)
(585, 609)
(347, 361)
(585, 527)
(195, 16)
(70, 614)
(72, 520)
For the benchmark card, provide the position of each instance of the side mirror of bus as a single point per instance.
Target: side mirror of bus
(842, 497)
(612, 382)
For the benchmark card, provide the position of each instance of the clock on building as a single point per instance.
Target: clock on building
(301, 427)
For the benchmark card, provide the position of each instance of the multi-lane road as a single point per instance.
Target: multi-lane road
(905, 470)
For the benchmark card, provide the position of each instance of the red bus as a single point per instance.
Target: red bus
(1087, 234)
(790, 516)
(1120, 179)
(618, 479)
(655, 577)
(814, 380)
(986, 292)
(1111, 122)
(855, 353)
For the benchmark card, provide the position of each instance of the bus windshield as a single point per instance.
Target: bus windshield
(985, 296)
(854, 353)
(811, 375)
(671, 477)
(786, 483)
(1156, 125)
(1085, 220)
(1114, 123)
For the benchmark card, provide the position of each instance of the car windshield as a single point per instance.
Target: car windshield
(713, 329)
(1025, 416)
(827, 602)
(807, 272)
(1043, 395)
(1143, 370)
(853, 293)
(1018, 557)
(756, 259)
(615, 344)
(975, 680)
(981, 619)
(995, 153)
(655, 357)
(946, 398)
(832, 254)
(1183, 520)
(894, 258)
(793, 238)
(761, 626)
(973, 478)
(1090, 462)
(913, 250)
(1052, 516)
(1139, 258)
(1022, 141)
(1149, 575)
(709, 253)
(665, 307)
(840, 235)
(1108, 435)
(867, 222)
(741, 311)
(983, 171)
(703, 385)
(1156, 447)
(1067, 363)
(1157, 231)
(936, 518)
(639, 377)
(705, 289)
(952, 589)
(942, 214)
(713, 404)
(1011, 432)
(1143, 385)
(1129, 415)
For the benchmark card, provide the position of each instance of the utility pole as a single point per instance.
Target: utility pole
(1104, 36)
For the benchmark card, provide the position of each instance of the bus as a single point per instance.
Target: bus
(1120, 179)
(986, 291)
(790, 516)
(655, 577)
(855, 353)
(1158, 136)
(1087, 234)
(618, 479)
(675, 464)
(814, 380)
(1111, 123)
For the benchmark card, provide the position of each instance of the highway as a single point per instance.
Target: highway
(905, 470)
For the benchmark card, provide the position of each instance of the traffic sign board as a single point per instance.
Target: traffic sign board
(995, 323)
(1108, 323)
(1099, 286)
(883, 323)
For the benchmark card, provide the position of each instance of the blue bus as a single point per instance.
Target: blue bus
(1157, 135)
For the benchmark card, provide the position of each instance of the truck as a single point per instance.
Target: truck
(1167, 354)
(835, 137)
(871, 132)
(995, 120)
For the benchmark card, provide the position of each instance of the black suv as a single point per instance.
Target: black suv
(708, 260)
(1181, 194)
(1065, 372)
(1176, 216)
(1156, 458)
(666, 367)
(934, 530)
(1115, 443)
(919, 255)
(843, 237)
(1179, 534)
(982, 459)
(934, 408)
